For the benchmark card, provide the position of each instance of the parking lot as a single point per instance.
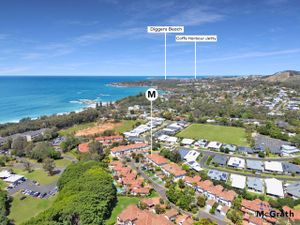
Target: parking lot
(32, 188)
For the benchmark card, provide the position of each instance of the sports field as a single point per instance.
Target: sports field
(224, 134)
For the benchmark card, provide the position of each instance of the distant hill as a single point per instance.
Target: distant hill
(284, 76)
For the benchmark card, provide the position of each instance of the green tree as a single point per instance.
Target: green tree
(27, 166)
(49, 166)
(204, 221)
(235, 216)
(43, 150)
(19, 145)
(201, 201)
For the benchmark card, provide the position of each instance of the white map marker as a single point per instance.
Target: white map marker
(151, 94)
(165, 30)
(195, 39)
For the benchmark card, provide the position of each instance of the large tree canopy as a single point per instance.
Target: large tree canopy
(87, 196)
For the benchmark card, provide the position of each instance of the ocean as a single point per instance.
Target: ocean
(34, 96)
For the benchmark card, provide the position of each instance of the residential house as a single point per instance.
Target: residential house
(127, 149)
(229, 147)
(222, 210)
(255, 184)
(289, 150)
(191, 156)
(156, 159)
(133, 215)
(174, 170)
(238, 181)
(274, 187)
(214, 145)
(218, 175)
(171, 214)
(191, 181)
(293, 190)
(201, 143)
(290, 168)
(273, 166)
(187, 141)
(255, 165)
(236, 162)
(220, 160)
(245, 150)
(293, 214)
(83, 147)
(184, 219)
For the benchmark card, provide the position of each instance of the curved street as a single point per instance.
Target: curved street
(161, 190)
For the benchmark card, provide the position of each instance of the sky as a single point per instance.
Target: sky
(109, 37)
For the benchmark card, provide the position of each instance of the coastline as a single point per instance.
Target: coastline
(34, 97)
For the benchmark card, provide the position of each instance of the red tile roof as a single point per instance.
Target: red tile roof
(142, 217)
(228, 195)
(123, 148)
(182, 218)
(83, 147)
(296, 212)
(171, 213)
(192, 180)
(256, 205)
(174, 169)
(157, 159)
(150, 202)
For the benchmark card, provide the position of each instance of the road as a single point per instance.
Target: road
(213, 153)
(266, 175)
(161, 190)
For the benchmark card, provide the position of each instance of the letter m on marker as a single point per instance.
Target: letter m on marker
(151, 94)
(260, 214)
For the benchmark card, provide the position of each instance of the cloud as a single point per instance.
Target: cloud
(195, 16)
(12, 70)
(254, 54)
(79, 22)
(91, 38)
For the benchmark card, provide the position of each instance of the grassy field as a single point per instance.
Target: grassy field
(62, 162)
(228, 135)
(123, 202)
(38, 175)
(75, 128)
(126, 125)
(23, 210)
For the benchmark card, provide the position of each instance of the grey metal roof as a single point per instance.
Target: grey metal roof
(244, 149)
(255, 165)
(183, 152)
(270, 143)
(294, 189)
(217, 175)
(255, 184)
(220, 159)
(290, 167)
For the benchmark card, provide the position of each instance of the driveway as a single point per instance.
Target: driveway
(161, 190)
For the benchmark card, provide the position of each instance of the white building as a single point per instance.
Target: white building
(4, 174)
(214, 145)
(236, 162)
(172, 140)
(274, 187)
(238, 181)
(288, 149)
(14, 178)
(187, 141)
(191, 156)
(273, 166)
